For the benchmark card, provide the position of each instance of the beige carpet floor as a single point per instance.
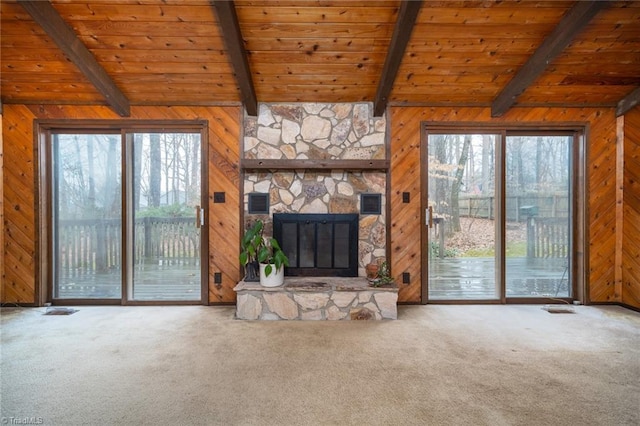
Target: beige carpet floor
(435, 365)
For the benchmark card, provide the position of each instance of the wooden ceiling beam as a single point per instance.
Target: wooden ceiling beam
(44, 14)
(228, 20)
(628, 102)
(570, 25)
(407, 16)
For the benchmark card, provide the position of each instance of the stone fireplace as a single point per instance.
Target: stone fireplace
(307, 158)
(307, 168)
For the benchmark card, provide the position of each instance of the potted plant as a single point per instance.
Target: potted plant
(262, 257)
(272, 262)
(383, 275)
(250, 246)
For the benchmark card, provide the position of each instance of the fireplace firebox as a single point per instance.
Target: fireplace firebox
(318, 244)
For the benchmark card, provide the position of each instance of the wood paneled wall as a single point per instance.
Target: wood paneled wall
(1, 212)
(601, 168)
(224, 218)
(19, 209)
(631, 210)
(19, 183)
(20, 235)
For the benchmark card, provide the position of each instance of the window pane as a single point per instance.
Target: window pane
(166, 197)
(461, 172)
(537, 228)
(87, 216)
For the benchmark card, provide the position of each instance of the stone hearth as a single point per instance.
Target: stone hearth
(316, 298)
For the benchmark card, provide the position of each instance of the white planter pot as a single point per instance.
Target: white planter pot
(275, 278)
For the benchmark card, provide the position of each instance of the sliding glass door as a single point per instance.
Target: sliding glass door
(127, 216)
(87, 216)
(461, 216)
(498, 215)
(538, 226)
(167, 217)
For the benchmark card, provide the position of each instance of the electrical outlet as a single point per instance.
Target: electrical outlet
(406, 278)
(217, 278)
(218, 197)
(406, 197)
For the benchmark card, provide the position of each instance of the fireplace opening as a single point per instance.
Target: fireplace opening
(319, 245)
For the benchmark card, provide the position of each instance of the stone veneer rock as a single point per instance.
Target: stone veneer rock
(315, 131)
(316, 299)
(322, 132)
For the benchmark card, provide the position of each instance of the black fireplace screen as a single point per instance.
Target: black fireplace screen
(318, 244)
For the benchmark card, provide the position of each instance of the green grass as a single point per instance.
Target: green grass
(516, 249)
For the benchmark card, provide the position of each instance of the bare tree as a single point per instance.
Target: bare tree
(137, 170)
(155, 170)
(195, 169)
(457, 183)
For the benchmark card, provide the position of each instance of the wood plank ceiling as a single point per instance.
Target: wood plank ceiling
(434, 53)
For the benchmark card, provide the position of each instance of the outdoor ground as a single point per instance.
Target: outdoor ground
(477, 237)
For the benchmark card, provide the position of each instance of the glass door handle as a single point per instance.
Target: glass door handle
(199, 217)
(429, 217)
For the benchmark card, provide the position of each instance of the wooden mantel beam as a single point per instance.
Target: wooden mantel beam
(401, 33)
(628, 102)
(44, 14)
(571, 24)
(228, 20)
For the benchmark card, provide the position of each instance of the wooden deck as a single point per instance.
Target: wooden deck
(151, 283)
(473, 278)
(451, 279)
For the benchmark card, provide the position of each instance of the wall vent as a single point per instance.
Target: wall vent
(370, 204)
(258, 203)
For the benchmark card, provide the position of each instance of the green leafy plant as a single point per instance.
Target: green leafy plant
(254, 247)
(252, 242)
(448, 251)
(272, 255)
(384, 275)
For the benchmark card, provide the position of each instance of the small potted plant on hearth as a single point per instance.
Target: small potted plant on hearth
(272, 262)
(382, 274)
